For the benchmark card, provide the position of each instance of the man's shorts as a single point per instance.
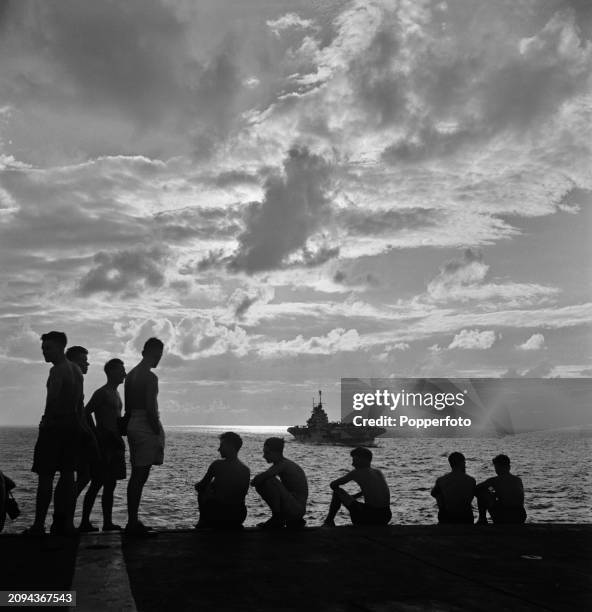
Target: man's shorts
(88, 457)
(456, 518)
(508, 515)
(56, 448)
(363, 514)
(212, 513)
(112, 465)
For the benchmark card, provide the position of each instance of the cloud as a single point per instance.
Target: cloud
(535, 343)
(201, 222)
(337, 340)
(128, 272)
(290, 21)
(473, 339)
(186, 339)
(290, 212)
(243, 299)
(463, 280)
(131, 79)
(23, 344)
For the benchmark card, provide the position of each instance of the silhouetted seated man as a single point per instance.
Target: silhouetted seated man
(454, 493)
(283, 487)
(375, 510)
(502, 495)
(221, 492)
(106, 405)
(55, 450)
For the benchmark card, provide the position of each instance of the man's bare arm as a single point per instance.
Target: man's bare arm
(205, 481)
(54, 386)
(152, 404)
(274, 470)
(343, 480)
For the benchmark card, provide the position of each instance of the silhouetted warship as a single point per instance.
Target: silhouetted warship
(318, 430)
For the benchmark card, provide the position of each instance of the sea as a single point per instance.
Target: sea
(554, 466)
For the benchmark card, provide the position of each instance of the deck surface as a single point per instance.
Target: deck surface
(534, 567)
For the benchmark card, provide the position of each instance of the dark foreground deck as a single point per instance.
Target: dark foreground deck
(535, 567)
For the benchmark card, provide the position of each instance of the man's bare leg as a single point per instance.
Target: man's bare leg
(87, 505)
(42, 500)
(135, 486)
(64, 502)
(83, 478)
(340, 497)
(107, 505)
(271, 494)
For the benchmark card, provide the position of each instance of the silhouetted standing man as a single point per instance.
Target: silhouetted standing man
(87, 455)
(144, 431)
(106, 405)
(55, 450)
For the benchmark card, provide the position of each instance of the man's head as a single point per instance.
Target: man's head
(53, 344)
(115, 371)
(152, 351)
(361, 457)
(501, 464)
(273, 449)
(79, 356)
(457, 461)
(230, 444)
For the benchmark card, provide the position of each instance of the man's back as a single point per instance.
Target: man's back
(373, 485)
(294, 479)
(107, 406)
(137, 383)
(456, 491)
(508, 490)
(64, 392)
(231, 481)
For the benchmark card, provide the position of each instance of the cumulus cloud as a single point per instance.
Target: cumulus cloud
(464, 279)
(187, 338)
(291, 211)
(243, 299)
(473, 339)
(535, 343)
(290, 21)
(126, 272)
(337, 340)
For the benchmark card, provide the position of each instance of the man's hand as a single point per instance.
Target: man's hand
(334, 485)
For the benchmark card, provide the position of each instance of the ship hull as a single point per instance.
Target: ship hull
(339, 436)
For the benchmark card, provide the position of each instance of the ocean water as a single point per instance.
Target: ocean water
(555, 468)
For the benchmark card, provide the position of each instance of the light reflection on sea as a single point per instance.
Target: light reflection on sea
(555, 468)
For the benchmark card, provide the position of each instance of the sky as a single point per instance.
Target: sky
(291, 192)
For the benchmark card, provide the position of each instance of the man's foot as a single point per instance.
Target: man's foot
(87, 527)
(328, 524)
(273, 523)
(111, 527)
(295, 524)
(202, 525)
(138, 530)
(63, 530)
(482, 521)
(34, 531)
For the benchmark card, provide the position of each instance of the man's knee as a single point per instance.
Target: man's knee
(344, 497)
(267, 486)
